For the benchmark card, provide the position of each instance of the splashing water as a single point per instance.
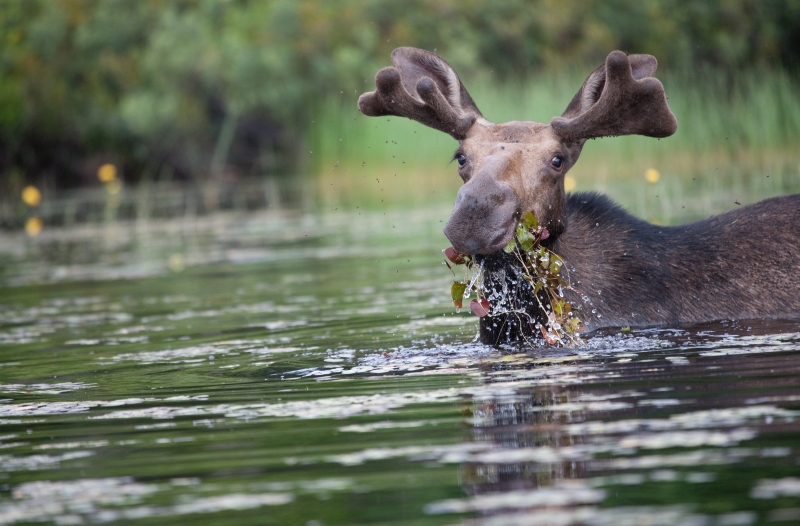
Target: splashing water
(343, 390)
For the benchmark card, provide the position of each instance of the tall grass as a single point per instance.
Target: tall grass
(738, 140)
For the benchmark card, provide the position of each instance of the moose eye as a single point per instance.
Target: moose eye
(557, 161)
(461, 159)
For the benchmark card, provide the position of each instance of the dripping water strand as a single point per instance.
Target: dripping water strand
(474, 279)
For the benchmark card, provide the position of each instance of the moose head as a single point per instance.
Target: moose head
(515, 167)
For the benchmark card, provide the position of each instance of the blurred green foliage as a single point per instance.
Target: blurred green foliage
(211, 89)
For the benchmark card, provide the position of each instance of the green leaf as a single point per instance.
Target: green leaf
(555, 264)
(573, 325)
(525, 239)
(543, 262)
(509, 248)
(561, 307)
(457, 293)
(529, 221)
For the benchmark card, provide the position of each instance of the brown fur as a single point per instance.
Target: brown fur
(742, 264)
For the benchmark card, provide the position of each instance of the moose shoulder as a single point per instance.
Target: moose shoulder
(742, 264)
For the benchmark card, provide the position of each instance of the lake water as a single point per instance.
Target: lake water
(286, 368)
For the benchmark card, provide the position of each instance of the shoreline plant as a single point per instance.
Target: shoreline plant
(542, 268)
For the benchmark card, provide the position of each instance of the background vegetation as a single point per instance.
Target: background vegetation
(211, 91)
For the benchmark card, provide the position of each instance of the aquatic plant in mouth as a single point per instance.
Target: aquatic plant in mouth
(540, 267)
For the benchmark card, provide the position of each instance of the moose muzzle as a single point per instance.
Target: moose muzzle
(485, 213)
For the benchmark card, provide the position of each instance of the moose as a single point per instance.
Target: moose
(743, 264)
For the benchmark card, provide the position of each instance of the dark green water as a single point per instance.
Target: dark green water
(310, 370)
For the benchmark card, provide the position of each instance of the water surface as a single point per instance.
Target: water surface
(276, 368)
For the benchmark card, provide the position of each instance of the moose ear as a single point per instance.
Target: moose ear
(422, 87)
(620, 97)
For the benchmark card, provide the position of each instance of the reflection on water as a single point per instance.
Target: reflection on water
(310, 370)
(555, 452)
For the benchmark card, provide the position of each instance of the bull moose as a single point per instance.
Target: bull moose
(741, 264)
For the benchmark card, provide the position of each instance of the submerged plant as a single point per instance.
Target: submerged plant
(540, 267)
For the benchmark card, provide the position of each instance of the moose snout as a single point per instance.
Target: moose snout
(484, 217)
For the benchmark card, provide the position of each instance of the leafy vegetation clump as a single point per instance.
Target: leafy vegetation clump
(541, 268)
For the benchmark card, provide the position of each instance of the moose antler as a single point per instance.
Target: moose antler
(618, 98)
(423, 87)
